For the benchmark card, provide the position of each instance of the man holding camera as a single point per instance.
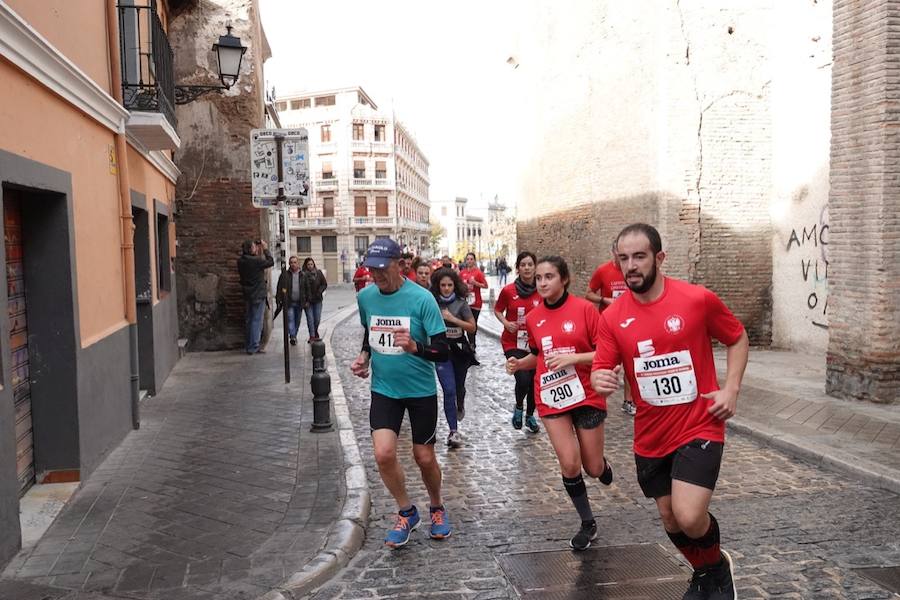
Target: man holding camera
(252, 265)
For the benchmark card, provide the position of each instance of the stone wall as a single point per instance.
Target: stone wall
(656, 113)
(214, 213)
(864, 203)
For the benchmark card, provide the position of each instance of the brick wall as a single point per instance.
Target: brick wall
(213, 207)
(211, 227)
(864, 203)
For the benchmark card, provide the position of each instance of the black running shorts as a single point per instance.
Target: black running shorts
(583, 417)
(387, 413)
(696, 462)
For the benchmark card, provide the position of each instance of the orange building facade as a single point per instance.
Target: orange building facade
(87, 185)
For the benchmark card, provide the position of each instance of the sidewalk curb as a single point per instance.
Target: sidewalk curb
(346, 535)
(820, 455)
(827, 457)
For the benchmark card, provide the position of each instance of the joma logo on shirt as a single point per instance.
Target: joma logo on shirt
(548, 377)
(661, 362)
(388, 322)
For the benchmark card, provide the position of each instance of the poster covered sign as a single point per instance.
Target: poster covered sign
(294, 167)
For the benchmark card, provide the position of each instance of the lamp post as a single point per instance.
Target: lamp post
(229, 54)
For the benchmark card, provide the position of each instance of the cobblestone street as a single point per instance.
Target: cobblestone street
(794, 530)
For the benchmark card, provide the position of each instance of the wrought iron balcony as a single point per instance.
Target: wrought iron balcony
(148, 84)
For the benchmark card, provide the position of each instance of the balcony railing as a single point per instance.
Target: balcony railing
(373, 221)
(148, 82)
(314, 223)
(326, 184)
(361, 182)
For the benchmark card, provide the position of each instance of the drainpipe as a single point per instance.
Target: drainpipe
(126, 222)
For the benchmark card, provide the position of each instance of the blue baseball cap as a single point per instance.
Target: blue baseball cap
(381, 252)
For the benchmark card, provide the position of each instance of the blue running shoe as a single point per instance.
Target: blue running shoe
(440, 525)
(517, 419)
(399, 535)
(532, 424)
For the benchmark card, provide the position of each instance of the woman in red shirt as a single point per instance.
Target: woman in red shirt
(561, 337)
(514, 302)
(362, 277)
(474, 278)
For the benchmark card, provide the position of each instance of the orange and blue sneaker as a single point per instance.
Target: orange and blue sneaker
(440, 525)
(407, 521)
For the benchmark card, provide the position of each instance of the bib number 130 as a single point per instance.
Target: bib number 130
(666, 379)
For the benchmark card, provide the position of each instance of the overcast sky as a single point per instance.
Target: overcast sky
(442, 64)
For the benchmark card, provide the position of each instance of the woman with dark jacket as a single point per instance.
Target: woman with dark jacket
(314, 285)
(450, 293)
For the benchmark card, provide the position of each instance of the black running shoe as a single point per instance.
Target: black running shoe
(588, 532)
(722, 576)
(606, 477)
(700, 586)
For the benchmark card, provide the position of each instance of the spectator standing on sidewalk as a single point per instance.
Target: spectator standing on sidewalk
(252, 265)
(502, 271)
(404, 336)
(450, 293)
(314, 285)
(289, 296)
(606, 284)
(474, 278)
(662, 332)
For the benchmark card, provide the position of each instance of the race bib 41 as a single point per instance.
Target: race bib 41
(381, 333)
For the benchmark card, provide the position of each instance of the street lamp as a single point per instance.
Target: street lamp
(229, 53)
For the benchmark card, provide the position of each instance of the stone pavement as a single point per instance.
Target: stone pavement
(222, 493)
(783, 403)
(794, 529)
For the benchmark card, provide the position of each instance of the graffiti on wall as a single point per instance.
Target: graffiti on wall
(810, 244)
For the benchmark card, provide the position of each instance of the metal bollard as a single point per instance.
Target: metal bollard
(320, 382)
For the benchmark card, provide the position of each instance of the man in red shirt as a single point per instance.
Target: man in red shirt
(362, 277)
(475, 280)
(662, 333)
(606, 284)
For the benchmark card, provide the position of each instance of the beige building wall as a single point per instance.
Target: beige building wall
(683, 115)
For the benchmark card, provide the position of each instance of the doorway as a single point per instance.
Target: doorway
(143, 277)
(18, 340)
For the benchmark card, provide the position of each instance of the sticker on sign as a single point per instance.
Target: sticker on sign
(290, 183)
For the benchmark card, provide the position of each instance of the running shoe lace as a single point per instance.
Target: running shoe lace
(402, 523)
(437, 517)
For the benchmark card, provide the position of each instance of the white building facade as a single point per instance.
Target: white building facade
(464, 232)
(369, 180)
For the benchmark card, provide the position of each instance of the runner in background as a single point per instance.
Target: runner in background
(406, 269)
(362, 277)
(606, 284)
(515, 301)
(474, 278)
(561, 338)
(450, 293)
(662, 332)
(423, 272)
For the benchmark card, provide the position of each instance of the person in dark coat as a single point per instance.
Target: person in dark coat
(314, 285)
(252, 265)
(289, 296)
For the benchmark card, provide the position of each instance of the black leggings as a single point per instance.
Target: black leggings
(524, 382)
(471, 336)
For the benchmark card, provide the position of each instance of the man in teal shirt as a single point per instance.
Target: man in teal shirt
(404, 336)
